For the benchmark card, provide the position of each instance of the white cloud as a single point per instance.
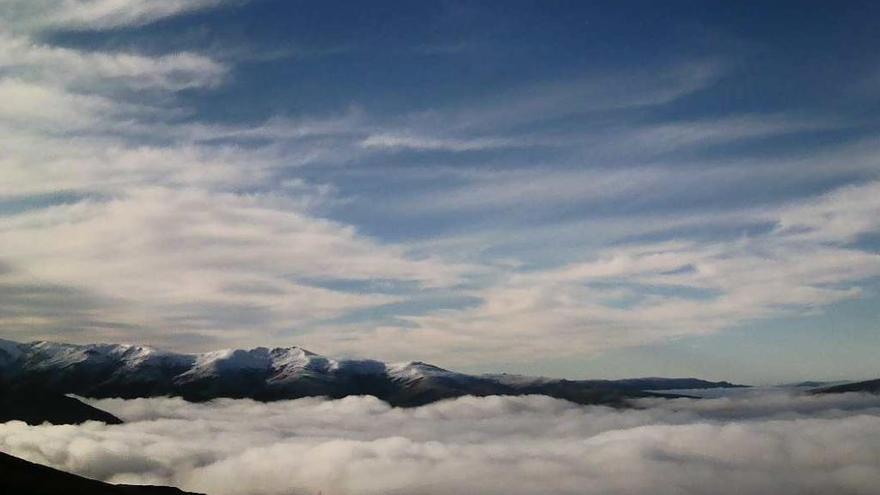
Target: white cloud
(530, 189)
(157, 236)
(39, 164)
(28, 105)
(416, 142)
(669, 136)
(95, 14)
(777, 444)
(630, 89)
(842, 215)
(454, 130)
(66, 66)
(627, 165)
(193, 260)
(639, 293)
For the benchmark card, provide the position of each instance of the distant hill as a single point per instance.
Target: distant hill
(20, 477)
(807, 384)
(870, 386)
(656, 383)
(128, 371)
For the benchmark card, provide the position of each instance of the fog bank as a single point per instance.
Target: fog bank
(759, 443)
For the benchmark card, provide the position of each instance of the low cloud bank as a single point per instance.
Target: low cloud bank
(758, 443)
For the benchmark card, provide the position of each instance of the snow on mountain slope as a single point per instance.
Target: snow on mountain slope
(128, 359)
(279, 364)
(140, 364)
(416, 369)
(414, 372)
(295, 363)
(49, 355)
(218, 363)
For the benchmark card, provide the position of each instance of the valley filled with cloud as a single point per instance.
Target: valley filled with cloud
(754, 441)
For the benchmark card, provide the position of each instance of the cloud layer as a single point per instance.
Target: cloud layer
(758, 443)
(113, 174)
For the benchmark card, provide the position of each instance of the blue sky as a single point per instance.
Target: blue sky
(596, 189)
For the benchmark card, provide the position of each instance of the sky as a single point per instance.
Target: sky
(579, 189)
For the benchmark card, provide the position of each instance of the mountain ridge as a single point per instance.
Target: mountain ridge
(261, 373)
(866, 386)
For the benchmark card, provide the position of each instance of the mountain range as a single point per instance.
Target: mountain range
(129, 371)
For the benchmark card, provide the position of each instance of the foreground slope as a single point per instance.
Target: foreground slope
(104, 370)
(20, 477)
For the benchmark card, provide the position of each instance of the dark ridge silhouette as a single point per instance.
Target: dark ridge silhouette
(36, 406)
(20, 477)
(869, 386)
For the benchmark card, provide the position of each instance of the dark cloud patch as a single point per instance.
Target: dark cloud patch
(31, 309)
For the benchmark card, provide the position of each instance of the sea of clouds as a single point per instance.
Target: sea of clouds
(760, 442)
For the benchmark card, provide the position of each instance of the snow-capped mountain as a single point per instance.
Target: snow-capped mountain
(114, 370)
